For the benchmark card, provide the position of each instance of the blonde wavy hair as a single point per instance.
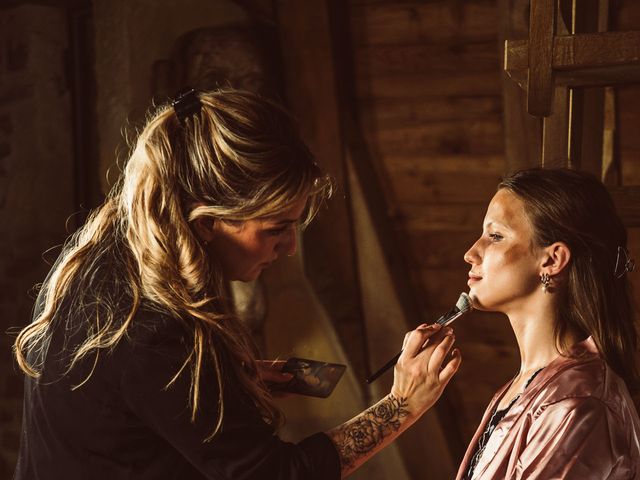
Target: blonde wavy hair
(240, 158)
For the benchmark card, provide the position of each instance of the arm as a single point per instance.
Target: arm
(419, 380)
(574, 439)
(246, 447)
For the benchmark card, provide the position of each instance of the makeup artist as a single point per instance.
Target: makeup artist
(553, 257)
(136, 365)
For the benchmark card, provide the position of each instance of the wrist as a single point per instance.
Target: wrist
(411, 408)
(402, 406)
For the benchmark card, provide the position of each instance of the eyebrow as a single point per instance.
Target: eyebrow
(286, 221)
(489, 224)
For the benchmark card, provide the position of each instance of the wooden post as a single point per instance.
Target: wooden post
(540, 83)
(522, 131)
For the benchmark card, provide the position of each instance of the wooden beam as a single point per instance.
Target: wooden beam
(542, 22)
(555, 131)
(556, 128)
(587, 50)
(605, 58)
(522, 132)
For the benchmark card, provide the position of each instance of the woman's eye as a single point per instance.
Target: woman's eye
(495, 237)
(274, 232)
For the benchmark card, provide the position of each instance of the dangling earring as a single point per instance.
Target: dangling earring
(545, 279)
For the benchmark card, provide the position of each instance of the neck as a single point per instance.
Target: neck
(534, 330)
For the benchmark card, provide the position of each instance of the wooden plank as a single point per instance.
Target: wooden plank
(588, 50)
(403, 112)
(628, 16)
(413, 86)
(555, 132)
(451, 57)
(458, 164)
(584, 60)
(627, 201)
(473, 137)
(442, 249)
(587, 131)
(422, 219)
(401, 23)
(610, 173)
(628, 146)
(596, 50)
(442, 286)
(630, 170)
(443, 188)
(588, 77)
(542, 21)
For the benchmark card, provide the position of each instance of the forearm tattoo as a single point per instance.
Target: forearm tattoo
(363, 434)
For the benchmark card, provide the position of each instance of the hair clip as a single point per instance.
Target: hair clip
(186, 104)
(621, 267)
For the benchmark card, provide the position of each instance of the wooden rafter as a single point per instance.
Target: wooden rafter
(606, 58)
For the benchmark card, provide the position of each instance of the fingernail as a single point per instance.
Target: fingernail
(448, 331)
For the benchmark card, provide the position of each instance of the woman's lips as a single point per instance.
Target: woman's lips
(473, 279)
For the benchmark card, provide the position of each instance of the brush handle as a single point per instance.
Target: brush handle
(385, 367)
(444, 320)
(450, 317)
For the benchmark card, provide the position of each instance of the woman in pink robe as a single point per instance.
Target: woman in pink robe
(553, 258)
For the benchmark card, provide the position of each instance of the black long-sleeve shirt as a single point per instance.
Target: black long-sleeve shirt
(122, 423)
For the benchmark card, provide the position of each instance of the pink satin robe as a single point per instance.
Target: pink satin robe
(574, 421)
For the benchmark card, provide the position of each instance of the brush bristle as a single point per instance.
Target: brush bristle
(464, 302)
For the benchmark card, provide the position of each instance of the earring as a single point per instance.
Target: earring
(545, 279)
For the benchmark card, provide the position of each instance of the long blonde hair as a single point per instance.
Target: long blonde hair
(240, 158)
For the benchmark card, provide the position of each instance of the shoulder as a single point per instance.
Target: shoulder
(578, 377)
(587, 385)
(152, 326)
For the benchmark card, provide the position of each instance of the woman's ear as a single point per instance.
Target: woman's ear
(556, 258)
(203, 227)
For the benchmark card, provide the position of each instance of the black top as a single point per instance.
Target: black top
(124, 424)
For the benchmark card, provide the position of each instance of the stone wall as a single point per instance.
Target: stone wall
(36, 181)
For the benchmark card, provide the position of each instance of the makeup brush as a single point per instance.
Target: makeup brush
(463, 305)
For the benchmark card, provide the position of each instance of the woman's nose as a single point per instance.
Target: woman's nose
(472, 256)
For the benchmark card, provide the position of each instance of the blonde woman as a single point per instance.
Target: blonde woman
(137, 367)
(553, 257)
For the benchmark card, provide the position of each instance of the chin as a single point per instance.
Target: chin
(478, 303)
